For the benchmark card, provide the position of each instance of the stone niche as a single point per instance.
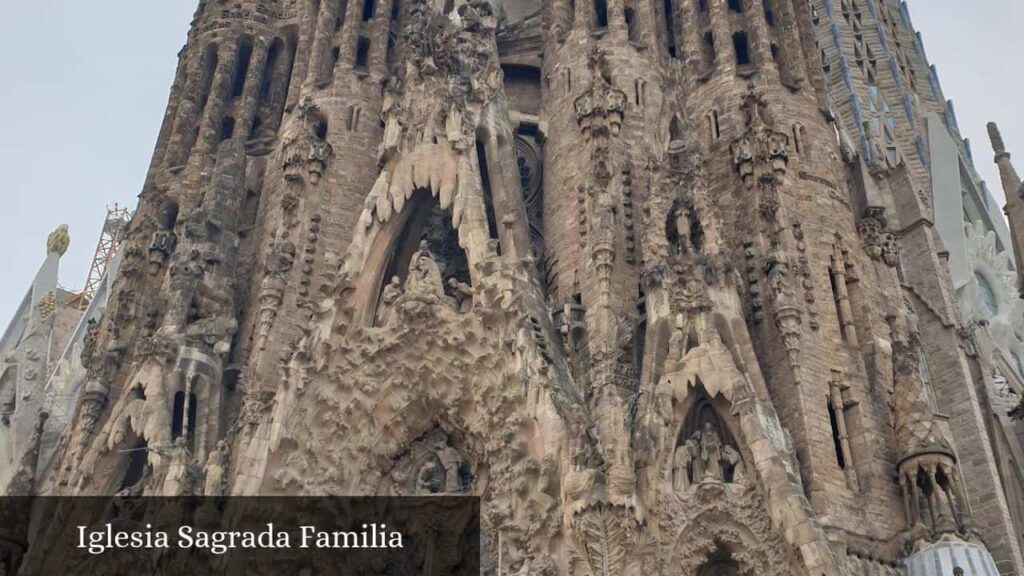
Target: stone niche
(434, 463)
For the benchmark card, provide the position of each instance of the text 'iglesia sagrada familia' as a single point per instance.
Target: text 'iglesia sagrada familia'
(677, 287)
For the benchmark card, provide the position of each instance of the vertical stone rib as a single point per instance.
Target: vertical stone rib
(253, 85)
(302, 52)
(789, 32)
(379, 27)
(721, 31)
(278, 88)
(350, 30)
(187, 111)
(219, 93)
(760, 40)
(170, 117)
(582, 16)
(321, 61)
(689, 31)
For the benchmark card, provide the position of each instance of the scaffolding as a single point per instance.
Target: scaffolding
(113, 231)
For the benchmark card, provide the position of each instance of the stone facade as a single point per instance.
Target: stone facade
(644, 276)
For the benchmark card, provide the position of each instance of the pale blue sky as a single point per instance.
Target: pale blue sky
(84, 84)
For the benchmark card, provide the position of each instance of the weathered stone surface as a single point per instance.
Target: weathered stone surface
(628, 275)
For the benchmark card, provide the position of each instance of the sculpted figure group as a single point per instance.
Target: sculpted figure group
(703, 457)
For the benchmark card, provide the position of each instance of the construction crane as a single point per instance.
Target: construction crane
(110, 237)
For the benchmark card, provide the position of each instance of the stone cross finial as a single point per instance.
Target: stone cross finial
(58, 240)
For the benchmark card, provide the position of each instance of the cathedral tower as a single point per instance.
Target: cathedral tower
(642, 274)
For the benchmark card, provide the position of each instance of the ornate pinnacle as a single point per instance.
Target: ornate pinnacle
(58, 240)
(997, 139)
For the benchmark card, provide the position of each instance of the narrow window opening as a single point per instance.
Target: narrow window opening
(670, 28)
(775, 52)
(709, 49)
(736, 6)
(369, 6)
(836, 298)
(396, 10)
(742, 46)
(769, 16)
(632, 29)
(717, 125)
(837, 441)
(601, 14)
(241, 69)
(702, 5)
(335, 56)
(568, 81)
(696, 233)
(485, 183)
(136, 465)
(273, 58)
(797, 142)
(640, 87)
(227, 128)
(138, 393)
(449, 5)
(169, 217)
(178, 415)
(641, 330)
(210, 61)
(362, 52)
(675, 130)
(321, 128)
(390, 51)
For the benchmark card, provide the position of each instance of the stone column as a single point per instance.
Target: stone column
(843, 301)
(789, 36)
(209, 128)
(253, 84)
(302, 54)
(688, 33)
(279, 87)
(187, 111)
(760, 40)
(379, 28)
(323, 67)
(721, 31)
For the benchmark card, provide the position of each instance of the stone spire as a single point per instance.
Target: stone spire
(1013, 191)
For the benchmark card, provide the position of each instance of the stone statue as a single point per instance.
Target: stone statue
(216, 470)
(451, 461)
(710, 453)
(430, 478)
(424, 274)
(684, 456)
(176, 481)
(388, 298)
(463, 295)
(733, 458)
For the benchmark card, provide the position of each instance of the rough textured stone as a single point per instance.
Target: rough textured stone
(641, 275)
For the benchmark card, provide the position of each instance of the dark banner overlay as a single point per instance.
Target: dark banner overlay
(301, 536)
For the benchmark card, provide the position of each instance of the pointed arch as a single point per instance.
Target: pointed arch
(422, 220)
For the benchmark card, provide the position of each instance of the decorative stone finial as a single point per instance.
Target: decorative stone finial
(997, 139)
(58, 240)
